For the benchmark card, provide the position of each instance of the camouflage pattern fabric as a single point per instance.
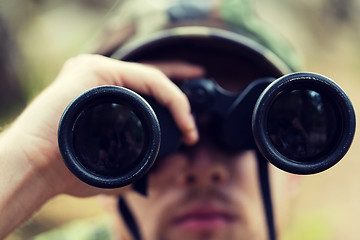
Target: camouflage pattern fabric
(134, 19)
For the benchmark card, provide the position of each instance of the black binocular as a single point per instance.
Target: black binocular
(302, 123)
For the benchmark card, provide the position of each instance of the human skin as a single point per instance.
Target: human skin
(31, 168)
(211, 196)
(200, 193)
(203, 192)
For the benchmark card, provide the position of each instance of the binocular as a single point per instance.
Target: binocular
(302, 123)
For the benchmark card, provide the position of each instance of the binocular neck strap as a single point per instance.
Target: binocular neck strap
(128, 218)
(263, 175)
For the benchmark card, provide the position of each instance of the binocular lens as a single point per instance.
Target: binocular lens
(110, 138)
(302, 124)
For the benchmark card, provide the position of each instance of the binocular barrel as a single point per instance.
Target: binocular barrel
(303, 123)
(109, 137)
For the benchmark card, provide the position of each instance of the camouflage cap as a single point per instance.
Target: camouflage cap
(133, 23)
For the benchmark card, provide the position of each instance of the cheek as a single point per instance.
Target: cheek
(166, 173)
(245, 179)
(153, 212)
(247, 192)
(244, 171)
(161, 185)
(285, 188)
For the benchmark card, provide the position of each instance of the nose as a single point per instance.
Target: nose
(205, 168)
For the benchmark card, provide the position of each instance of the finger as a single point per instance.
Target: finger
(156, 84)
(150, 81)
(178, 69)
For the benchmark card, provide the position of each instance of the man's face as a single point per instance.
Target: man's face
(203, 192)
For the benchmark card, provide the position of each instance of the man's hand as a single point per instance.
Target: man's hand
(31, 168)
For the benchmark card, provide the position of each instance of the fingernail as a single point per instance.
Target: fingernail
(192, 134)
(191, 122)
(191, 137)
(198, 71)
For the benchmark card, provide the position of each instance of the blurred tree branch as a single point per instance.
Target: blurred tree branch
(11, 91)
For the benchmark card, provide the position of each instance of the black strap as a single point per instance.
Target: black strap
(263, 174)
(140, 185)
(128, 218)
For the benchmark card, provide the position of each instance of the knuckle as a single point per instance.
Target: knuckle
(83, 61)
(83, 68)
(155, 74)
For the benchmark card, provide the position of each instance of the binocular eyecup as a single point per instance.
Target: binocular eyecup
(303, 123)
(109, 137)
